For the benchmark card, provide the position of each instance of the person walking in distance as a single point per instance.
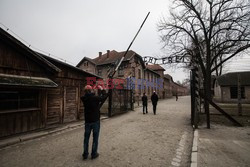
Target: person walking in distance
(144, 103)
(154, 99)
(176, 96)
(92, 118)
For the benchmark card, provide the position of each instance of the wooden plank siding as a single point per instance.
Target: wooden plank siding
(53, 105)
(70, 104)
(15, 63)
(19, 122)
(64, 105)
(80, 104)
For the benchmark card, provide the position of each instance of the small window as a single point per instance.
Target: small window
(16, 100)
(234, 92)
(86, 63)
(99, 72)
(139, 74)
(120, 71)
(136, 60)
(133, 71)
(125, 65)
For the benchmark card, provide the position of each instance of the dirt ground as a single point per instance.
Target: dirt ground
(224, 144)
(131, 139)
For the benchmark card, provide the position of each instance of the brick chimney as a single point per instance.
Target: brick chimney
(100, 54)
(108, 52)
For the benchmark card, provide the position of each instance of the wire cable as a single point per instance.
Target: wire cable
(32, 47)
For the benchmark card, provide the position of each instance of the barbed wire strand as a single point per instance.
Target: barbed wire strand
(34, 48)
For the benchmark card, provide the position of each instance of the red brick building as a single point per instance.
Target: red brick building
(132, 66)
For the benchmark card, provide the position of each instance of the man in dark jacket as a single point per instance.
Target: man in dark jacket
(154, 99)
(92, 104)
(144, 103)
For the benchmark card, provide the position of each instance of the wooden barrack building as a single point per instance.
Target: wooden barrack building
(36, 91)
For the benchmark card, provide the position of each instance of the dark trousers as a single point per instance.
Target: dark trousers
(154, 108)
(95, 127)
(145, 107)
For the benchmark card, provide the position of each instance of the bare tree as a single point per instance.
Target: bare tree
(211, 31)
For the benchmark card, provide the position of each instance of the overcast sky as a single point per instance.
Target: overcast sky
(72, 29)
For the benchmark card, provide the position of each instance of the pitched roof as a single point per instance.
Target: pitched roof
(231, 79)
(85, 58)
(68, 65)
(152, 71)
(168, 77)
(12, 41)
(175, 83)
(113, 57)
(155, 67)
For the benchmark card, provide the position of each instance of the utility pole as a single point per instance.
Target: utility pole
(111, 76)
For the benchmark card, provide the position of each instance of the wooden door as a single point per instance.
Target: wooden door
(70, 104)
(54, 106)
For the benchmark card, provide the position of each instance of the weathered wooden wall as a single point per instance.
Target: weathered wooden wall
(56, 105)
(14, 62)
(65, 104)
(22, 120)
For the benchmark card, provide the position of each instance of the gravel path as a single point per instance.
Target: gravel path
(223, 146)
(131, 139)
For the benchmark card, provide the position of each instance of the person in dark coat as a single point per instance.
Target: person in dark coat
(144, 103)
(92, 104)
(154, 99)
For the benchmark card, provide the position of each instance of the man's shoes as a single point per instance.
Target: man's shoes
(84, 157)
(95, 156)
(143, 113)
